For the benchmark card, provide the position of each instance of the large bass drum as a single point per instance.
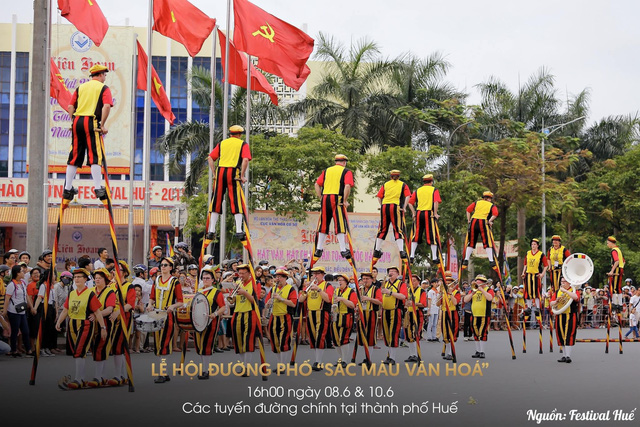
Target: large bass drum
(194, 313)
(577, 269)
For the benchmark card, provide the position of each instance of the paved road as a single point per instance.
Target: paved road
(502, 395)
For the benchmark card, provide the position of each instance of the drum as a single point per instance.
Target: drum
(151, 322)
(194, 313)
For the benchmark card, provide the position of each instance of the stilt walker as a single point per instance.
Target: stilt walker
(557, 254)
(536, 265)
(423, 204)
(393, 197)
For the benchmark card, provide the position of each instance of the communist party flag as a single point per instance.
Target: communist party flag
(183, 22)
(238, 70)
(281, 48)
(58, 89)
(158, 94)
(86, 16)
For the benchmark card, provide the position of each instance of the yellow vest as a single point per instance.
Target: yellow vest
(78, 304)
(334, 180)
(368, 305)
(212, 296)
(279, 307)
(165, 292)
(243, 304)
(424, 197)
(230, 150)
(620, 257)
(533, 262)
(3, 292)
(88, 98)
(556, 256)
(417, 294)
(102, 297)
(342, 307)
(392, 192)
(480, 307)
(450, 300)
(389, 302)
(314, 299)
(482, 210)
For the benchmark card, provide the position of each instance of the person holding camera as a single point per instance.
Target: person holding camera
(16, 305)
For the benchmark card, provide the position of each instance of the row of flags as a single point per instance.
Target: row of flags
(282, 49)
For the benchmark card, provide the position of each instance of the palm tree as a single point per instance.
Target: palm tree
(192, 138)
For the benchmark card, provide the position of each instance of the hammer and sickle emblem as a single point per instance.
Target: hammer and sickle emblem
(265, 31)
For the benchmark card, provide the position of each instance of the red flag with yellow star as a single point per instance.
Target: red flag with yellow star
(58, 90)
(183, 22)
(158, 94)
(281, 48)
(86, 16)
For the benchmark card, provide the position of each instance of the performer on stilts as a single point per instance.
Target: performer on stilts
(480, 216)
(234, 155)
(535, 268)
(393, 197)
(79, 306)
(318, 296)
(90, 106)
(284, 298)
(206, 340)
(371, 298)
(424, 204)
(333, 187)
(480, 298)
(567, 321)
(556, 255)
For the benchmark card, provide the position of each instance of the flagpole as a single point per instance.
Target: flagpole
(132, 145)
(47, 112)
(247, 131)
(212, 117)
(147, 135)
(225, 127)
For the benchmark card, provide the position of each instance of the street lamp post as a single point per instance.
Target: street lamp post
(449, 138)
(547, 132)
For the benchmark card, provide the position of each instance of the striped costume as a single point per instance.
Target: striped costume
(164, 294)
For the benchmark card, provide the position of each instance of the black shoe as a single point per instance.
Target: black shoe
(568, 360)
(160, 380)
(389, 361)
(476, 356)
(318, 253)
(412, 259)
(242, 236)
(562, 360)
(245, 375)
(465, 263)
(167, 378)
(69, 194)
(403, 255)
(492, 264)
(101, 193)
(316, 367)
(364, 362)
(210, 236)
(343, 364)
(481, 355)
(377, 253)
(447, 357)
(204, 376)
(435, 261)
(346, 254)
(217, 350)
(412, 359)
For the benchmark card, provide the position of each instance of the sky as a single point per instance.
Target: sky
(585, 44)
